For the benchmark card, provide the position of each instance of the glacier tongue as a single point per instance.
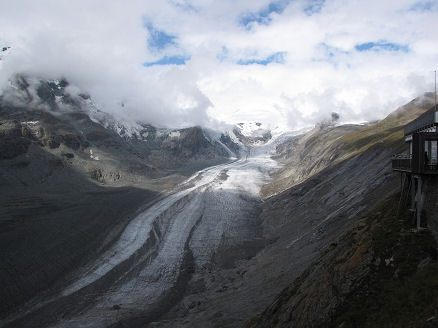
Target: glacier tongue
(185, 234)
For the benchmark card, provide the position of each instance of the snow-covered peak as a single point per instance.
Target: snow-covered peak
(257, 130)
(252, 134)
(251, 129)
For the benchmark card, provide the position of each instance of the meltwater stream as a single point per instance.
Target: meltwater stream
(145, 272)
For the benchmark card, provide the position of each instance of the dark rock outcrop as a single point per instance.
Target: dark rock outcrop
(227, 141)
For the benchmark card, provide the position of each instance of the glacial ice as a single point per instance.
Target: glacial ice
(212, 207)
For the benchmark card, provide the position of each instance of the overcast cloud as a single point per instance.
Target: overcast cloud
(184, 62)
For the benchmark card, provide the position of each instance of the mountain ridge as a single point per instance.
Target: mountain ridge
(327, 145)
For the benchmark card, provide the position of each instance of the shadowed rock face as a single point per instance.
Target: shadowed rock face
(13, 140)
(226, 140)
(45, 114)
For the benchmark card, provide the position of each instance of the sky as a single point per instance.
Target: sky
(176, 63)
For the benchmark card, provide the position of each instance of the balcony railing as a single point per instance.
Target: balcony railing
(402, 162)
(431, 166)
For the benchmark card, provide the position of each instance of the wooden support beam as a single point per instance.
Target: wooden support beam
(413, 192)
(402, 192)
(419, 202)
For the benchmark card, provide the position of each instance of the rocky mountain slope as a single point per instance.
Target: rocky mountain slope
(72, 177)
(361, 261)
(326, 145)
(68, 125)
(378, 273)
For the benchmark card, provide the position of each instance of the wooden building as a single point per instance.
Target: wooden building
(419, 162)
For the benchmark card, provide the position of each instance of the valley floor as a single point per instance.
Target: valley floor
(172, 249)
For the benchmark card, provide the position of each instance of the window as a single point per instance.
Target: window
(433, 151)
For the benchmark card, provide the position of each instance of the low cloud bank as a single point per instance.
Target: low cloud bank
(359, 61)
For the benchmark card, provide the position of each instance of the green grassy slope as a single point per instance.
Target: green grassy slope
(389, 131)
(318, 149)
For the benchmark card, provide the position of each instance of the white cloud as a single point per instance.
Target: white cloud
(101, 48)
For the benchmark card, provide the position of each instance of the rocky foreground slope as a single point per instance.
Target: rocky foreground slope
(378, 273)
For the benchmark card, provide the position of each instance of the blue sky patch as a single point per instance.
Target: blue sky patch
(424, 6)
(313, 7)
(329, 51)
(184, 5)
(159, 40)
(278, 57)
(169, 60)
(223, 54)
(263, 16)
(332, 55)
(381, 46)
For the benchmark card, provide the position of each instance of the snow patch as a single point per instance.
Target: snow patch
(175, 134)
(30, 122)
(96, 158)
(250, 129)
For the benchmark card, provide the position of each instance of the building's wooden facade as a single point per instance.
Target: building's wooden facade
(420, 162)
(422, 138)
